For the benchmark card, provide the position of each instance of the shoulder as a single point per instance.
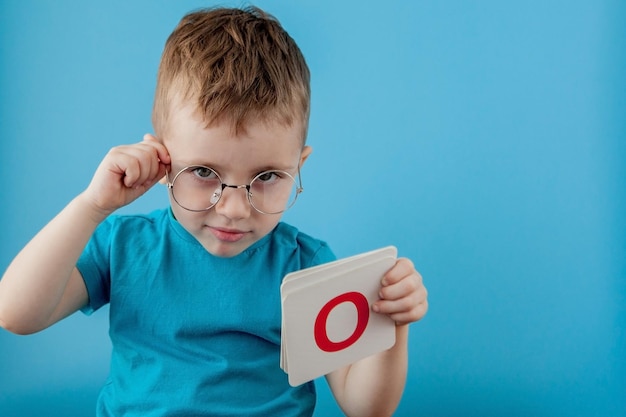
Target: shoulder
(128, 229)
(136, 222)
(310, 250)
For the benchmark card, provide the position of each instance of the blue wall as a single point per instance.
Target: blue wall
(485, 139)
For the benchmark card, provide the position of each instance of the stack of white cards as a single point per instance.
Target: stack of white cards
(327, 320)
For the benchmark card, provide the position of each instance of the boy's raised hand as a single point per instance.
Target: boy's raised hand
(403, 295)
(126, 173)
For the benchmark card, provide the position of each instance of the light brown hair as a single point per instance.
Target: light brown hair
(237, 65)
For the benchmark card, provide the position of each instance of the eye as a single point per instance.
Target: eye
(269, 176)
(204, 173)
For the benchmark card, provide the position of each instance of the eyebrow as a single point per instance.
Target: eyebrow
(256, 170)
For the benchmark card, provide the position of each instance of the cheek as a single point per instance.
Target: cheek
(189, 219)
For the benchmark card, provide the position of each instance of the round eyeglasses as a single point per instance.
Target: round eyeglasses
(199, 188)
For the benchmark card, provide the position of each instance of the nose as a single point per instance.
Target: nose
(233, 203)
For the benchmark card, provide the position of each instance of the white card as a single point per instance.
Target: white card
(301, 278)
(312, 276)
(327, 318)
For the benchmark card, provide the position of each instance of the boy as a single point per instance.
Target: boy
(194, 289)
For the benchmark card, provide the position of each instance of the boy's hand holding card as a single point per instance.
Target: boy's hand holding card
(327, 320)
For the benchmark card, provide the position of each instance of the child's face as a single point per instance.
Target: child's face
(232, 225)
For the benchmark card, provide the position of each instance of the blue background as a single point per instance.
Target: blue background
(485, 139)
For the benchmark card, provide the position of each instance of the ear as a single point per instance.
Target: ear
(306, 151)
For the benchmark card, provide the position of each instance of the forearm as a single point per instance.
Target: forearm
(374, 385)
(35, 283)
(42, 284)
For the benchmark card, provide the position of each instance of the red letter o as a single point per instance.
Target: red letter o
(363, 314)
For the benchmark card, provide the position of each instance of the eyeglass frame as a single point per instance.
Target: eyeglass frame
(299, 188)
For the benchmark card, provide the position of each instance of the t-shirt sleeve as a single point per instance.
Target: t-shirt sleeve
(322, 255)
(94, 266)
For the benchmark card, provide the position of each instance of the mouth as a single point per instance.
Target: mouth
(227, 235)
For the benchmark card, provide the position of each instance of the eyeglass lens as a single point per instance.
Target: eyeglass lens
(198, 188)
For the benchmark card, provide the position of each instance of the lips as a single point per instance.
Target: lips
(227, 235)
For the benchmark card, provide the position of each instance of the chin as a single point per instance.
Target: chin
(225, 250)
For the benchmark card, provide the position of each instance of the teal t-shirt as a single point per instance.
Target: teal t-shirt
(194, 334)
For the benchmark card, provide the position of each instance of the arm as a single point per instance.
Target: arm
(42, 285)
(373, 386)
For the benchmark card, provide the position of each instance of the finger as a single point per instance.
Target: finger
(400, 269)
(411, 283)
(162, 152)
(146, 168)
(405, 310)
(130, 168)
(153, 167)
(163, 156)
(415, 314)
(404, 300)
(129, 163)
